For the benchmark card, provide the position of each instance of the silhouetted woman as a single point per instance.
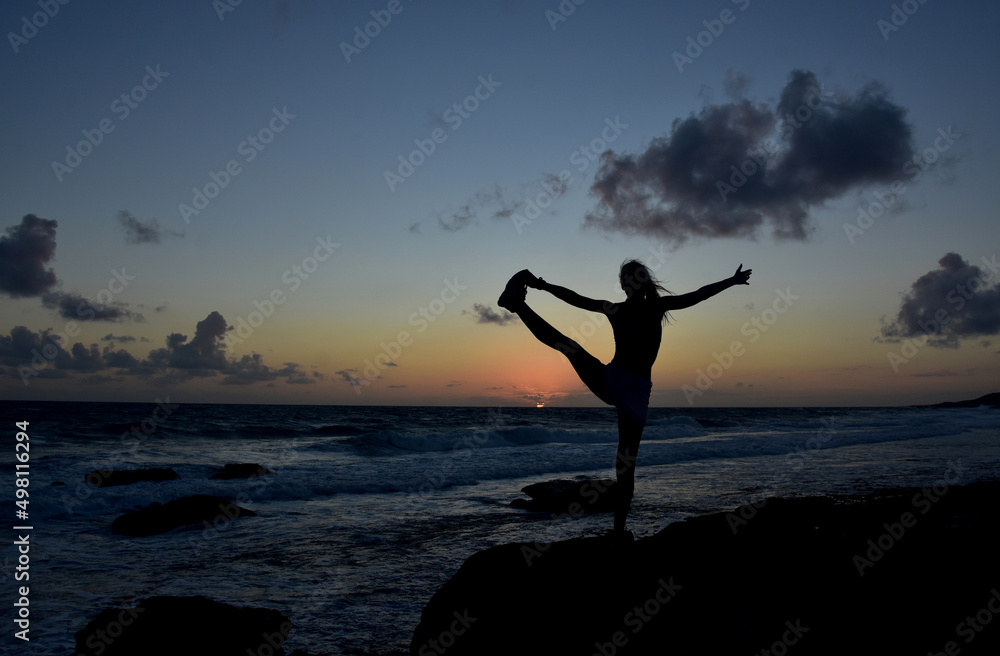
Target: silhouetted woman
(625, 381)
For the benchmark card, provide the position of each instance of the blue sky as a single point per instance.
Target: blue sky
(221, 78)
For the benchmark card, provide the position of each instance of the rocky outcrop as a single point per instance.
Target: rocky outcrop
(162, 517)
(242, 470)
(569, 497)
(990, 400)
(111, 477)
(192, 626)
(900, 571)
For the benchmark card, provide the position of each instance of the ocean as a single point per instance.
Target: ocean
(368, 510)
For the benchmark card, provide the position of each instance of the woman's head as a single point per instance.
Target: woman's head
(638, 282)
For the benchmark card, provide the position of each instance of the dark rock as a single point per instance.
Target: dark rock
(894, 572)
(192, 626)
(110, 477)
(244, 470)
(564, 496)
(990, 400)
(162, 517)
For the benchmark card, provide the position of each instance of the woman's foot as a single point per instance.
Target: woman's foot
(513, 295)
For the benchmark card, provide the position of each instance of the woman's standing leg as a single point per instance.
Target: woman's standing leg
(629, 435)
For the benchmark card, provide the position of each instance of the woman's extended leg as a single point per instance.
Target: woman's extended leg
(589, 368)
(629, 434)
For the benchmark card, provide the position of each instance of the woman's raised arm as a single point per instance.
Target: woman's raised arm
(571, 297)
(682, 301)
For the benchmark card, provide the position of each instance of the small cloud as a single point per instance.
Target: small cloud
(947, 305)
(118, 338)
(347, 375)
(71, 305)
(941, 373)
(143, 232)
(486, 314)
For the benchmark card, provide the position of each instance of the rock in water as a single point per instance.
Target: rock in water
(906, 571)
(162, 517)
(564, 496)
(110, 477)
(188, 626)
(243, 470)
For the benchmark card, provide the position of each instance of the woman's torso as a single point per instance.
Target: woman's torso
(638, 329)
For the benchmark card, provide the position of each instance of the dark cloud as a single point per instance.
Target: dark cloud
(347, 375)
(21, 345)
(121, 359)
(316, 376)
(24, 252)
(74, 306)
(206, 352)
(486, 314)
(957, 301)
(810, 149)
(24, 347)
(180, 360)
(251, 369)
(139, 232)
(297, 377)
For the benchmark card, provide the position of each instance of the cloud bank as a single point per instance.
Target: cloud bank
(737, 167)
(43, 354)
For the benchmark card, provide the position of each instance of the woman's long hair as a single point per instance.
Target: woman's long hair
(634, 274)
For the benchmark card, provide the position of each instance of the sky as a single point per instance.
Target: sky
(320, 202)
